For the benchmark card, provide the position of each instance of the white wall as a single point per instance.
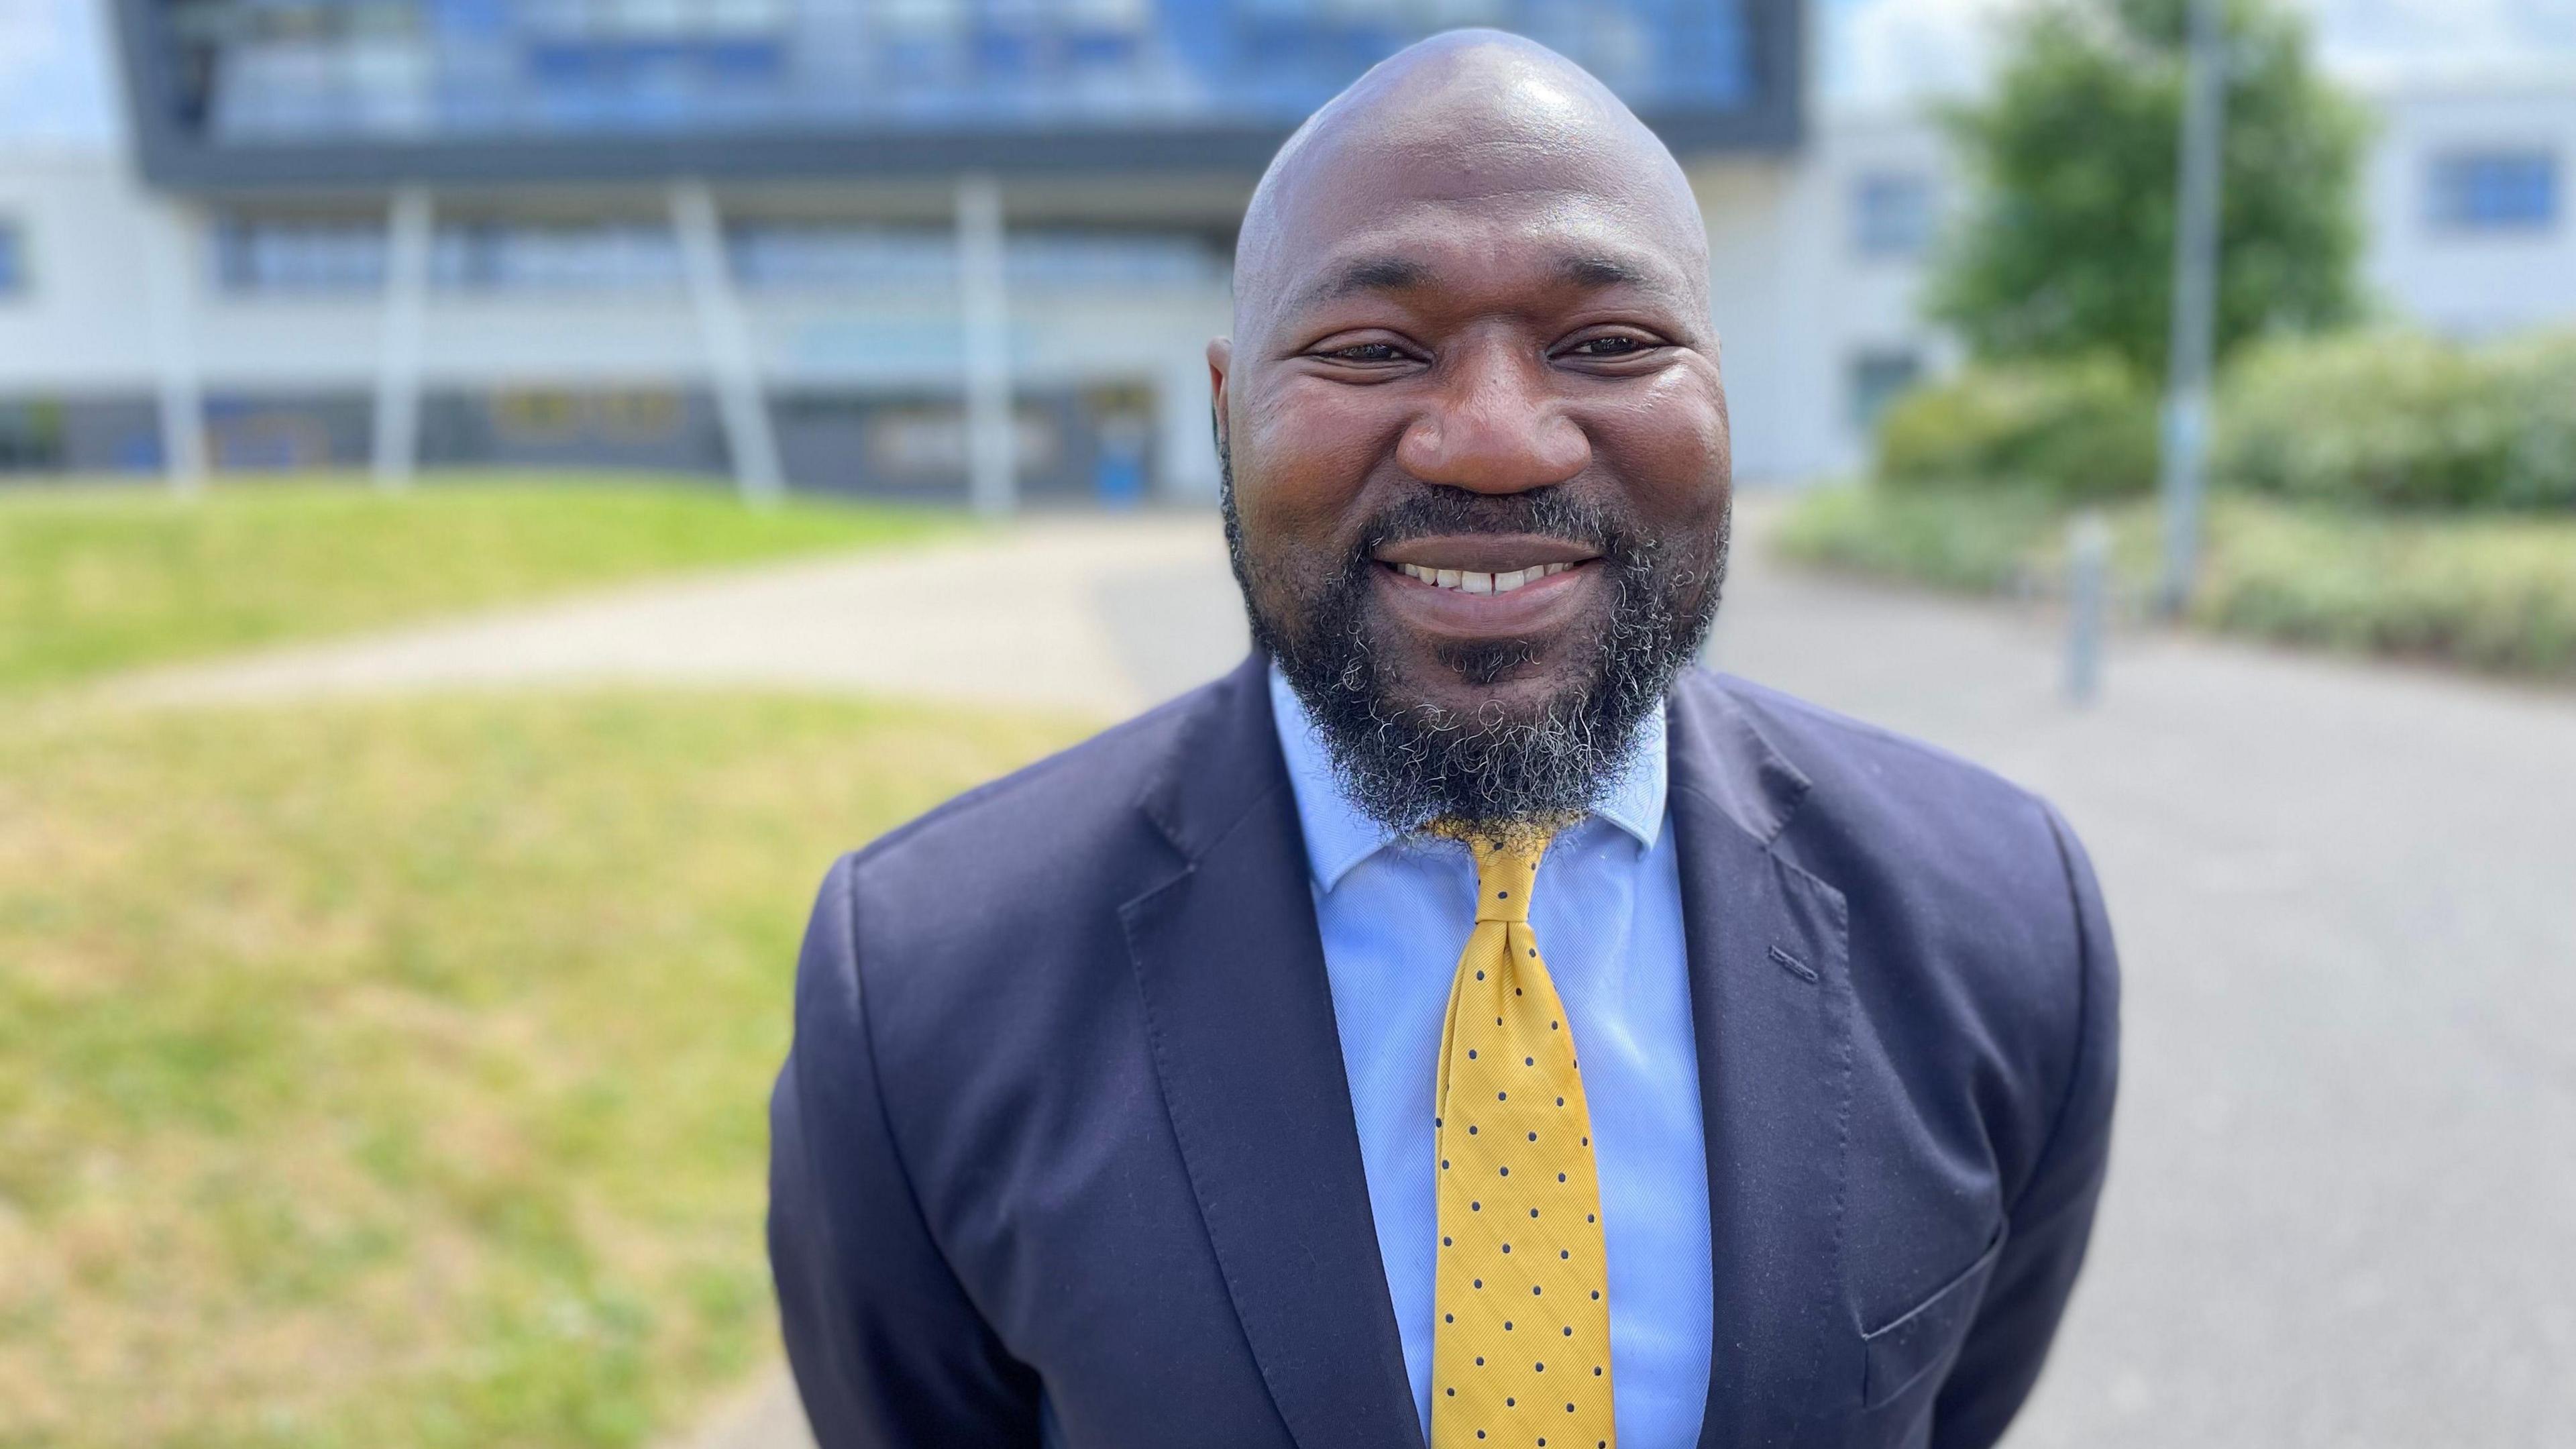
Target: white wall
(83, 322)
(2469, 283)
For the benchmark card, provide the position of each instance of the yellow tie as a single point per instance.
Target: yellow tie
(1521, 1348)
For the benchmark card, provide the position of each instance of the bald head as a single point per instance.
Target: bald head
(1471, 120)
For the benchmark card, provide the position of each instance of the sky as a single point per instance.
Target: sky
(57, 88)
(1883, 54)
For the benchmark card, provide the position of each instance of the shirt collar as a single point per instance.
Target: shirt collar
(1339, 834)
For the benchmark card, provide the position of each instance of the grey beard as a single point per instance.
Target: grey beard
(1407, 763)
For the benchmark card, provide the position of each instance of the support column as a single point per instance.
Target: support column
(397, 426)
(992, 483)
(727, 338)
(171, 280)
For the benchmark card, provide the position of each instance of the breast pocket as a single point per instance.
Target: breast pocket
(1926, 1335)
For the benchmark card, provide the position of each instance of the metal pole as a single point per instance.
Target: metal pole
(727, 338)
(991, 483)
(2088, 568)
(2195, 298)
(170, 280)
(397, 432)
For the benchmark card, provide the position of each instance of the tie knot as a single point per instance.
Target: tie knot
(1506, 868)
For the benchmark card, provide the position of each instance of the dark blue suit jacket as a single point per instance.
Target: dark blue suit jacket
(1066, 1122)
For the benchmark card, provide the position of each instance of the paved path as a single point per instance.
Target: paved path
(2343, 1209)
(1071, 612)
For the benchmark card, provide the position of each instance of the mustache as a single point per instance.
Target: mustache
(1440, 509)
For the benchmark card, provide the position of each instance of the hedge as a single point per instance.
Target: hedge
(2377, 419)
(2078, 430)
(2400, 419)
(2491, 591)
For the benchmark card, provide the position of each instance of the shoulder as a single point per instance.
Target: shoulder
(998, 899)
(1020, 827)
(1961, 887)
(1867, 795)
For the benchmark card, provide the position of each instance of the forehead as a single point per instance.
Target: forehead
(1462, 216)
(1540, 245)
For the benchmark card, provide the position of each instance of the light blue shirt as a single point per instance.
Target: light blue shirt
(1395, 913)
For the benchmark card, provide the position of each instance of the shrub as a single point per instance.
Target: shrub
(2541, 470)
(2400, 419)
(2078, 431)
(2495, 593)
(1983, 541)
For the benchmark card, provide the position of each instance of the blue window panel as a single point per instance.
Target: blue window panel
(537, 68)
(13, 261)
(2495, 190)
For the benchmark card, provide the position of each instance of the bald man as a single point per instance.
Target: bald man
(1467, 1023)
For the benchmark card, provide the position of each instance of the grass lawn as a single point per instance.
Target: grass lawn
(2491, 591)
(394, 1073)
(102, 577)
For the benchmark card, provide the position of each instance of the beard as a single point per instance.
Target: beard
(1406, 761)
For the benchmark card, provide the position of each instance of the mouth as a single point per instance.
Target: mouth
(1487, 586)
(1479, 581)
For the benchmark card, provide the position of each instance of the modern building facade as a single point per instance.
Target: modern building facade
(966, 250)
(931, 248)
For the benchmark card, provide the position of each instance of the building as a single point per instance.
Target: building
(937, 248)
(945, 249)
(2466, 211)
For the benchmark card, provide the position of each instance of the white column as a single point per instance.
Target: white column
(170, 278)
(991, 443)
(731, 367)
(1185, 468)
(397, 425)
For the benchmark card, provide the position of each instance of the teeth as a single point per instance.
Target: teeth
(1469, 581)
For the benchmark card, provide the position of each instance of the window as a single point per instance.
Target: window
(1891, 214)
(514, 256)
(299, 255)
(13, 260)
(1876, 380)
(2499, 190)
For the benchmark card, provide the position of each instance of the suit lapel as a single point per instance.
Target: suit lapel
(1771, 1010)
(1231, 969)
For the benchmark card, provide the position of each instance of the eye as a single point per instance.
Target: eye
(1615, 344)
(1365, 352)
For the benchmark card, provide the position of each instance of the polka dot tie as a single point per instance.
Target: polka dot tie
(1521, 1346)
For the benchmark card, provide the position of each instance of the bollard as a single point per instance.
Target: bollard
(2088, 567)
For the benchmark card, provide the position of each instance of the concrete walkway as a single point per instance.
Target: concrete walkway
(1084, 613)
(2343, 1211)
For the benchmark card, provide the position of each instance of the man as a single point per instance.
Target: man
(1464, 1024)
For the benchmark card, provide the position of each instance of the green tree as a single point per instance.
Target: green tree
(2068, 249)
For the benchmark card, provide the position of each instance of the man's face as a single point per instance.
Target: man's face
(1478, 452)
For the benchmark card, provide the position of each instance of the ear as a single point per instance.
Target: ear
(1220, 356)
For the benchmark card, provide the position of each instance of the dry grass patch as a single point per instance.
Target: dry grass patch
(395, 1073)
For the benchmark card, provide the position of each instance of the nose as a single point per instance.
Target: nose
(1495, 425)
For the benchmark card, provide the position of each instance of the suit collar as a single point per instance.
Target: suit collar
(1771, 1013)
(1240, 1015)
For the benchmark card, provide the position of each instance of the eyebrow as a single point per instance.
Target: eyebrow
(1398, 274)
(1599, 271)
(1368, 274)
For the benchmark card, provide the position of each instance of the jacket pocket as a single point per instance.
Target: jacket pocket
(1909, 1347)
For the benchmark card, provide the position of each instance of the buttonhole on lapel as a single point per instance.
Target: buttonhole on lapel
(1794, 966)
